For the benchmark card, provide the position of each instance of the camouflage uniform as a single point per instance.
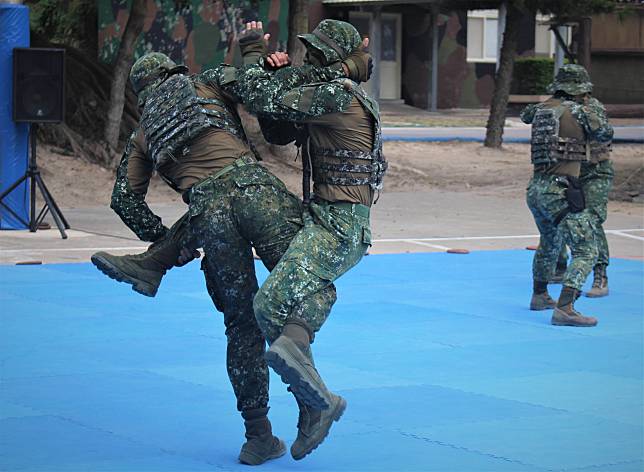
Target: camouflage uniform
(336, 234)
(597, 177)
(565, 133)
(241, 206)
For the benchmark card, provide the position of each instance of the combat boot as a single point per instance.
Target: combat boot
(600, 283)
(290, 356)
(143, 271)
(260, 445)
(565, 314)
(313, 425)
(541, 300)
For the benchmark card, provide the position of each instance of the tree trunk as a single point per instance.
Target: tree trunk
(298, 23)
(583, 47)
(122, 65)
(496, 120)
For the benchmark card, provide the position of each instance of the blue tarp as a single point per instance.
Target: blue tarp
(14, 137)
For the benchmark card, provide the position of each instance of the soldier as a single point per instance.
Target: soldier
(191, 134)
(337, 126)
(596, 177)
(567, 130)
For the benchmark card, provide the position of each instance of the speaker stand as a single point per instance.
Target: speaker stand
(35, 179)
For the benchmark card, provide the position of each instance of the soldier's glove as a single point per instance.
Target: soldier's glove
(359, 66)
(251, 43)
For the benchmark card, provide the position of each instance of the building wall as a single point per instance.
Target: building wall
(200, 35)
(617, 57)
(463, 84)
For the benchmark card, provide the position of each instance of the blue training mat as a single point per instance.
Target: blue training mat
(443, 366)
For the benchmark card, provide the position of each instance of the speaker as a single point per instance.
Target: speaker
(38, 85)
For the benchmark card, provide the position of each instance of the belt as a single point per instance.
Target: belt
(356, 208)
(244, 160)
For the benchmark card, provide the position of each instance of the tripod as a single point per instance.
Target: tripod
(35, 179)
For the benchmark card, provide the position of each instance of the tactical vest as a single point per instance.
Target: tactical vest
(174, 115)
(548, 148)
(337, 161)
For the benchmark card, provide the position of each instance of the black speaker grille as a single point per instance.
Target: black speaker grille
(38, 85)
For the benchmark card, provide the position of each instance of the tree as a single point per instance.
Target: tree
(503, 80)
(298, 23)
(563, 11)
(122, 65)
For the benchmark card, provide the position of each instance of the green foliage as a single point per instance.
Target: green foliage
(532, 75)
(71, 22)
(571, 9)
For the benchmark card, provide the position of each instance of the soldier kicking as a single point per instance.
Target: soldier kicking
(191, 135)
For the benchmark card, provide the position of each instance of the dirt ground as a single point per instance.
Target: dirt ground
(451, 166)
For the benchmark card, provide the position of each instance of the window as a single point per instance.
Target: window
(482, 35)
(544, 39)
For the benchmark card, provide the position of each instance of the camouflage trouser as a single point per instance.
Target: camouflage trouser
(334, 238)
(247, 205)
(546, 200)
(596, 180)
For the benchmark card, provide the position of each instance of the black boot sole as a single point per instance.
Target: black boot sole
(139, 286)
(337, 413)
(249, 458)
(295, 374)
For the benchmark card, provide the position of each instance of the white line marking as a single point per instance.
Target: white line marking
(626, 235)
(65, 249)
(435, 246)
(417, 241)
(461, 238)
(618, 232)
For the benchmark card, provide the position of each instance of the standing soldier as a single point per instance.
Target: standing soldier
(596, 180)
(191, 134)
(566, 131)
(337, 126)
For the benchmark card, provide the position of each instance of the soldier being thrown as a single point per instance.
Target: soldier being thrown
(338, 126)
(191, 134)
(568, 129)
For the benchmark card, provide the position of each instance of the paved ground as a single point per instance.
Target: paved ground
(402, 222)
(519, 134)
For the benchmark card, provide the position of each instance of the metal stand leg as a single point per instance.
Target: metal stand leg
(35, 180)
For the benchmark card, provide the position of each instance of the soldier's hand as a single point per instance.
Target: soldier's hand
(186, 255)
(358, 66)
(253, 40)
(278, 59)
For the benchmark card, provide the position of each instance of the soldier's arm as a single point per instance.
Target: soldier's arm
(264, 92)
(128, 202)
(527, 114)
(600, 129)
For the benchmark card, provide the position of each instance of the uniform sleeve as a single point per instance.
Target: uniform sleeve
(527, 114)
(128, 196)
(289, 94)
(599, 127)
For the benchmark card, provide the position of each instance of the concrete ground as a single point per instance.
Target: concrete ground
(432, 221)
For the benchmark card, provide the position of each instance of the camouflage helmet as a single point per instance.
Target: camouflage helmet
(572, 79)
(334, 39)
(148, 72)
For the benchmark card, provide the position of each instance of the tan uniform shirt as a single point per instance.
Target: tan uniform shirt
(352, 130)
(208, 153)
